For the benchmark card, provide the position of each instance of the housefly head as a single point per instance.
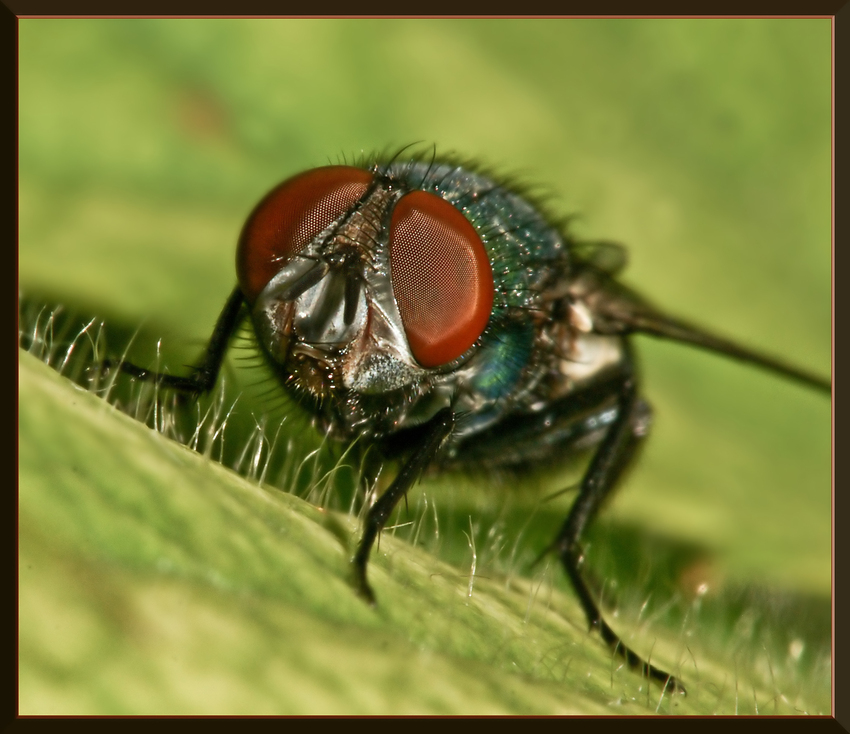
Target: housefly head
(357, 283)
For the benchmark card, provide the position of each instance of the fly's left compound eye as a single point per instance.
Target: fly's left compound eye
(291, 215)
(441, 277)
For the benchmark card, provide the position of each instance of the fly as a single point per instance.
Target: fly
(426, 310)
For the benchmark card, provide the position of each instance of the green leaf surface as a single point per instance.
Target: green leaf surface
(154, 580)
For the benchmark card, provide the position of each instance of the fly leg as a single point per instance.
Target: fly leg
(607, 465)
(204, 376)
(440, 428)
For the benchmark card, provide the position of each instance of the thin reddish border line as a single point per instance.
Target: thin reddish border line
(589, 17)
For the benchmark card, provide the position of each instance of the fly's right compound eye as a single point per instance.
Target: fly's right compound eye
(441, 278)
(291, 215)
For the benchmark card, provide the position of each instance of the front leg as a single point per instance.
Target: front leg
(204, 376)
(439, 429)
(606, 467)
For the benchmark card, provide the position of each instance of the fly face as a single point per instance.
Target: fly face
(441, 317)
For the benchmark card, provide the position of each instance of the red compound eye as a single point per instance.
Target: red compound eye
(441, 276)
(289, 217)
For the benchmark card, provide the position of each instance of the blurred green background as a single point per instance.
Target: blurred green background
(702, 145)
